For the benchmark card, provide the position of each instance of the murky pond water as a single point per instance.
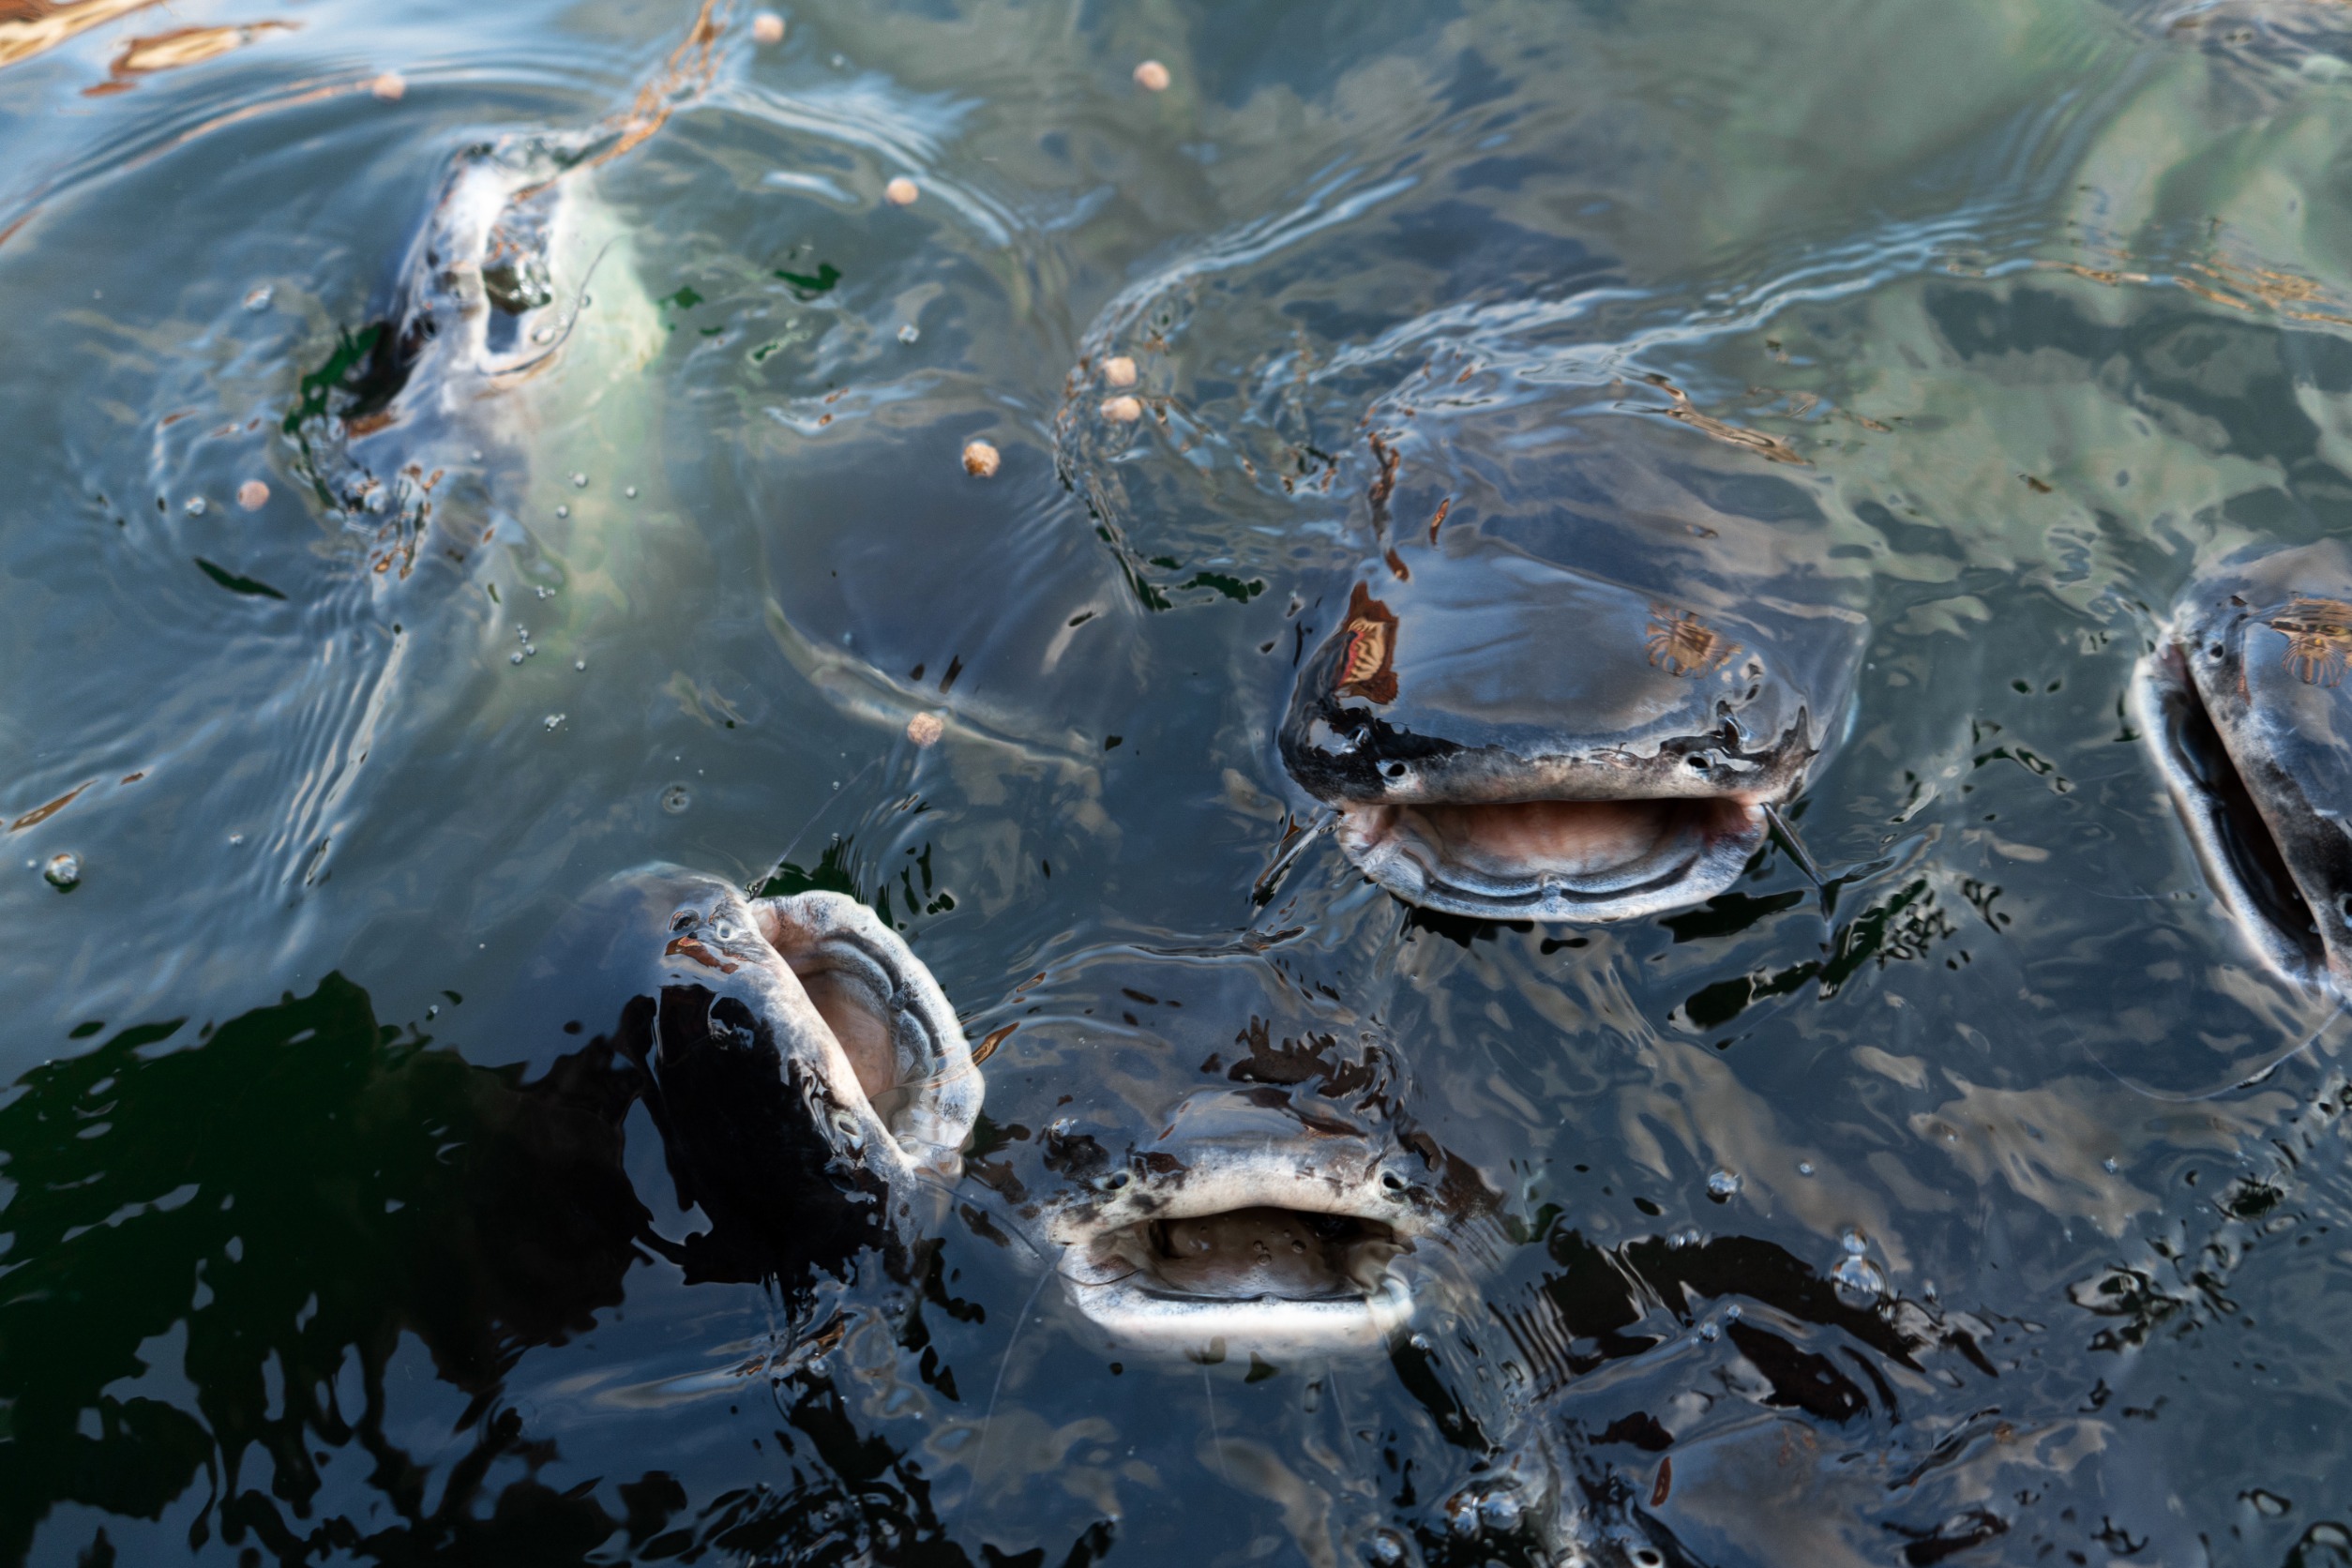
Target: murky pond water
(1954, 1185)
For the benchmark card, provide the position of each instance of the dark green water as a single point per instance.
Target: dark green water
(331, 1229)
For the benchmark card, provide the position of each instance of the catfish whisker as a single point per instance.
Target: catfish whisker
(981, 1445)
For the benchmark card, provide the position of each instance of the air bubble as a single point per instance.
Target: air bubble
(908, 334)
(196, 505)
(579, 481)
(1804, 1168)
(555, 720)
(258, 300)
(545, 335)
(1688, 1236)
(515, 658)
(563, 511)
(1853, 1241)
(1709, 1332)
(1859, 1281)
(64, 871)
(629, 491)
(580, 664)
(676, 798)
(1723, 1184)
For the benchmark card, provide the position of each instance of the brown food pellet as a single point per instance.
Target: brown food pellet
(1119, 371)
(1121, 411)
(252, 495)
(1151, 77)
(981, 459)
(900, 192)
(767, 27)
(925, 729)
(389, 86)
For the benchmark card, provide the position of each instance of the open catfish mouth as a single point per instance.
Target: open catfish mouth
(854, 1014)
(1555, 859)
(1299, 1246)
(2215, 790)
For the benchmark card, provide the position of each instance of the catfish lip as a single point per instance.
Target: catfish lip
(2235, 842)
(1566, 859)
(1279, 1247)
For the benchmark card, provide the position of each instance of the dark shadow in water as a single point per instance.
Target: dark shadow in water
(357, 1186)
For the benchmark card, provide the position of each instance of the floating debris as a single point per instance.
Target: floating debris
(925, 729)
(252, 495)
(901, 192)
(767, 27)
(1121, 411)
(981, 459)
(1151, 77)
(63, 872)
(1119, 371)
(390, 87)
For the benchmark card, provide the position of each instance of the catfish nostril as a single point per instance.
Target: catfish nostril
(1698, 763)
(681, 920)
(1392, 1180)
(2215, 650)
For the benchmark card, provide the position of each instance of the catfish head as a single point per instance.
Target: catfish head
(2243, 705)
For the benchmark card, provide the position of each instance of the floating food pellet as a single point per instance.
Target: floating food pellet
(1151, 77)
(389, 86)
(925, 729)
(767, 27)
(1121, 411)
(981, 459)
(1119, 371)
(63, 872)
(252, 495)
(900, 192)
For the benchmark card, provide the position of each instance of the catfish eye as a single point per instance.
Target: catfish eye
(1392, 771)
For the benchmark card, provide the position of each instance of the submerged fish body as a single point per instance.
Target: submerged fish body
(1246, 1180)
(1575, 698)
(812, 1086)
(509, 358)
(2243, 706)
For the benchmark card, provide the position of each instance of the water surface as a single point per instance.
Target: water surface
(1986, 1206)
